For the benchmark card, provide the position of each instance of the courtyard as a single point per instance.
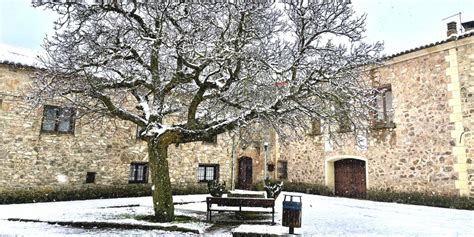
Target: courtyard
(322, 216)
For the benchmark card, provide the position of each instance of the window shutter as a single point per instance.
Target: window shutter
(316, 127)
(388, 106)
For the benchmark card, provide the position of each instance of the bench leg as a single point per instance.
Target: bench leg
(209, 213)
(273, 215)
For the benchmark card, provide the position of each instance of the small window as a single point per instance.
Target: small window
(383, 117)
(316, 127)
(138, 132)
(282, 169)
(270, 167)
(212, 140)
(208, 172)
(58, 120)
(90, 177)
(138, 172)
(344, 122)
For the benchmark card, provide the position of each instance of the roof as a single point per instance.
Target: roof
(19, 56)
(452, 38)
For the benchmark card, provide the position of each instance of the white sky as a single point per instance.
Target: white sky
(400, 24)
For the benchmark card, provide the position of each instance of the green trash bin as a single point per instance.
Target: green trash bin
(292, 212)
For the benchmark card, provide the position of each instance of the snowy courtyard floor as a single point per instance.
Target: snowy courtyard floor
(322, 216)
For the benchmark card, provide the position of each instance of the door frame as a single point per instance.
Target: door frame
(238, 171)
(329, 170)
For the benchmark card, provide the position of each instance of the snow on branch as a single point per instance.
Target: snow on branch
(216, 66)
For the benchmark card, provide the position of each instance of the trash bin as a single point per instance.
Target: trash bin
(292, 212)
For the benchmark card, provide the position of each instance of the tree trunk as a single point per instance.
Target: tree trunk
(160, 177)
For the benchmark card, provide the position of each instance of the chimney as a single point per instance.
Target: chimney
(452, 28)
(469, 25)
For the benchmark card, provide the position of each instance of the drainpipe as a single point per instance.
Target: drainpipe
(232, 173)
(265, 147)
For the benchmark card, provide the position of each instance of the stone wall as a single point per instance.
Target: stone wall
(430, 149)
(30, 158)
(419, 154)
(465, 56)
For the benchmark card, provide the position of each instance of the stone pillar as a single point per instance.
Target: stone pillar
(456, 119)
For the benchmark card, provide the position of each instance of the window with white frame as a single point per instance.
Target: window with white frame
(208, 172)
(383, 117)
(138, 172)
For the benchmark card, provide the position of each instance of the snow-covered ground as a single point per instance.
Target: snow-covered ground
(322, 216)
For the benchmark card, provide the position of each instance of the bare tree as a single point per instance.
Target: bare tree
(217, 65)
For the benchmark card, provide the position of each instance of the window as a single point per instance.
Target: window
(58, 120)
(208, 172)
(90, 177)
(316, 127)
(282, 169)
(138, 172)
(344, 123)
(383, 117)
(270, 167)
(140, 129)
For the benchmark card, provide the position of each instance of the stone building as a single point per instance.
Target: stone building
(421, 138)
(54, 145)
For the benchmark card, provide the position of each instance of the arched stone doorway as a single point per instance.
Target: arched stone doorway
(347, 176)
(245, 173)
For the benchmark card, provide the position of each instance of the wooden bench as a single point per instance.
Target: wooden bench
(238, 202)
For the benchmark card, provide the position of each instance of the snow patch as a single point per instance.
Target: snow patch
(16, 55)
(321, 216)
(61, 178)
(240, 191)
(156, 131)
(262, 229)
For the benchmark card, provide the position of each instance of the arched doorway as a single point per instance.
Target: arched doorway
(245, 173)
(347, 176)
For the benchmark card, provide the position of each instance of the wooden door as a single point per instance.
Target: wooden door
(245, 173)
(349, 178)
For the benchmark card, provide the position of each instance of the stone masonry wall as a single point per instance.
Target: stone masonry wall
(30, 158)
(466, 77)
(420, 154)
(414, 156)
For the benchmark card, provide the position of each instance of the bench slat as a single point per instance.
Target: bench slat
(239, 202)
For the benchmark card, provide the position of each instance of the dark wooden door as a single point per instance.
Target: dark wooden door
(245, 173)
(349, 178)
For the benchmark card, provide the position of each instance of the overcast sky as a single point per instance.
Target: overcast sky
(400, 24)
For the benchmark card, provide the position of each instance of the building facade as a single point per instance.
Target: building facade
(55, 146)
(421, 138)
